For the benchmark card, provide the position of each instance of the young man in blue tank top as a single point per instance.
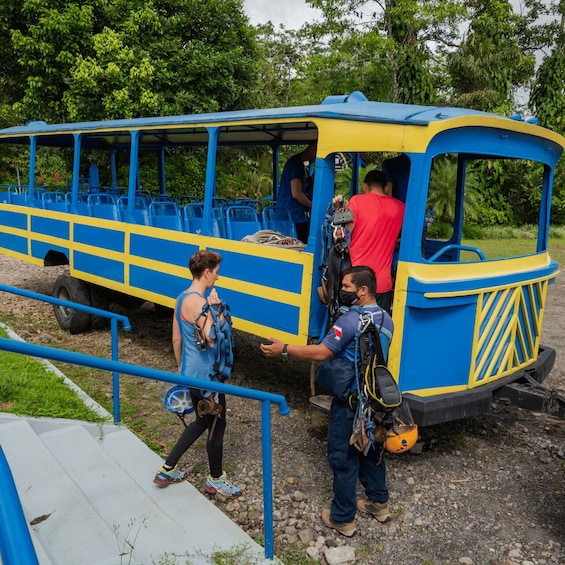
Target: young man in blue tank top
(347, 463)
(193, 347)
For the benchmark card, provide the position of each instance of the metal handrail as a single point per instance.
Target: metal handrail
(117, 367)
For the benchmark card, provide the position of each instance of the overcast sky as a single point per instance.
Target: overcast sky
(291, 13)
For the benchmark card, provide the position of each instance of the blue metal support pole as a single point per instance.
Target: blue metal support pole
(267, 478)
(115, 375)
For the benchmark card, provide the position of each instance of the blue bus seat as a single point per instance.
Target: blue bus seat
(193, 217)
(220, 217)
(165, 214)
(188, 199)
(140, 209)
(145, 194)
(241, 220)
(278, 219)
(164, 198)
(103, 205)
(54, 201)
(219, 201)
(82, 203)
(33, 197)
(16, 195)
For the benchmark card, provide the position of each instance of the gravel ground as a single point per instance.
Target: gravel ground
(483, 491)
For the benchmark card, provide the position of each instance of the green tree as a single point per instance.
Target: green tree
(75, 60)
(405, 37)
(442, 191)
(548, 99)
(548, 95)
(491, 63)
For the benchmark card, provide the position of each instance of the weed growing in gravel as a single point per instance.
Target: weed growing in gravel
(293, 554)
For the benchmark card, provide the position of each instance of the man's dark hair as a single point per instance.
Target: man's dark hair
(375, 177)
(203, 260)
(363, 276)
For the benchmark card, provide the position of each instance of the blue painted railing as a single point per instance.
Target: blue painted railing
(117, 367)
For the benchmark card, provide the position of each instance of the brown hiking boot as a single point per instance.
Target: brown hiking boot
(379, 510)
(344, 528)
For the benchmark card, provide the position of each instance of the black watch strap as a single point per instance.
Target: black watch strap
(284, 351)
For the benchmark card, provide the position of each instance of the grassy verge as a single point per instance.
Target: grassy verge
(29, 388)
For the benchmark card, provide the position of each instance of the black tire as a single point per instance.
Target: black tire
(125, 300)
(75, 290)
(163, 311)
(99, 298)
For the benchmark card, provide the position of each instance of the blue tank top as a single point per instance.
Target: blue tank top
(194, 362)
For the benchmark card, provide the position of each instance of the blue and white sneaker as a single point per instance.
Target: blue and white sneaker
(166, 477)
(222, 487)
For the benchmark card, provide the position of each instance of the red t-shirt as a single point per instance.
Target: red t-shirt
(377, 224)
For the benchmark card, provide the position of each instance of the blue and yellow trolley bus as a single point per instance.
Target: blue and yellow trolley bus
(464, 325)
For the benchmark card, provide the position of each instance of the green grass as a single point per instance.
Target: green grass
(28, 387)
(493, 248)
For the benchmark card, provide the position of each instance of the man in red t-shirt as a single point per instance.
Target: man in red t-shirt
(374, 232)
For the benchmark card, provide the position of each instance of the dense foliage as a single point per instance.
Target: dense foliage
(72, 61)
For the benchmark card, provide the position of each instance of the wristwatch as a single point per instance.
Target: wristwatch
(285, 352)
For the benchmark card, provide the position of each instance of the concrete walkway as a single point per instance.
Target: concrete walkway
(88, 497)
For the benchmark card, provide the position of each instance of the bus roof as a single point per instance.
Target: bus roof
(353, 107)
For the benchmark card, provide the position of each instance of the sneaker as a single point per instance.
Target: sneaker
(377, 509)
(344, 528)
(222, 487)
(166, 477)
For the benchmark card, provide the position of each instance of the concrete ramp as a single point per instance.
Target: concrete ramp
(88, 498)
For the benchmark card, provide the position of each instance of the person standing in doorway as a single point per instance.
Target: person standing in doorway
(293, 190)
(377, 221)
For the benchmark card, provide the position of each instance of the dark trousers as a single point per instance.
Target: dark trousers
(214, 446)
(349, 465)
(302, 231)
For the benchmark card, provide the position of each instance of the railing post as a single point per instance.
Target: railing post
(16, 547)
(115, 375)
(267, 478)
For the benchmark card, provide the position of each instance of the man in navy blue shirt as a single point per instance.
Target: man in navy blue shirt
(292, 193)
(346, 461)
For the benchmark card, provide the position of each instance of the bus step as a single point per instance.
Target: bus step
(321, 403)
(530, 394)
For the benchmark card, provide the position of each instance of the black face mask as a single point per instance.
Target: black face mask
(347, 298)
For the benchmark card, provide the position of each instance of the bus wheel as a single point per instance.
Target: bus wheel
(99, 298)
(74, 290)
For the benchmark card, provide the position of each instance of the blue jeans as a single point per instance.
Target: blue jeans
(348, 464)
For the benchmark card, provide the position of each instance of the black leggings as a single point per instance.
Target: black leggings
(214, 446)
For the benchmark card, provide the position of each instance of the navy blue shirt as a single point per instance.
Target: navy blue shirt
(293, 169)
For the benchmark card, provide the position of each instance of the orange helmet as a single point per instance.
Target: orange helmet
(401, 438)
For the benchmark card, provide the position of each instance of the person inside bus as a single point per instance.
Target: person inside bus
(293, 190)
(193, 346)
(377, 221)
(347, 463)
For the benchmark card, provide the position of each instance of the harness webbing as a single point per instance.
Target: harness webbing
(221, 333)
(367, 344)
(335, 258)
